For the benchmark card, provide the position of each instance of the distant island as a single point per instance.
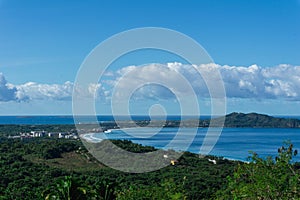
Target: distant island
(232, 120)
(255, 120)
(242, 120)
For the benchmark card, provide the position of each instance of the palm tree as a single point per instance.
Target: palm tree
(68, 189)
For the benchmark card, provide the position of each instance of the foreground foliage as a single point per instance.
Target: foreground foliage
(265, 178)
(168, 189)
(46, 168)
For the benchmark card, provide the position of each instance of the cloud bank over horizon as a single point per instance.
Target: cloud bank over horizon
(252, 82)
(245, 82)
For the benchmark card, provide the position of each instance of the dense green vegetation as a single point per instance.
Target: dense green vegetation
(265, 178)
(51, 168)
(41, 168)
(258, 120)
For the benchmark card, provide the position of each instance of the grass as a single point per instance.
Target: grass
(71, 161)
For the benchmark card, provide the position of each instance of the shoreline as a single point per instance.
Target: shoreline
(88, 137)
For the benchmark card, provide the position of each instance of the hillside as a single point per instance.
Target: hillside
(258, 120)
(239, 120)
(34, 168)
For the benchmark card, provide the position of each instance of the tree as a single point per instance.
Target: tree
(68, 189)
(168, 189)
(265, 178)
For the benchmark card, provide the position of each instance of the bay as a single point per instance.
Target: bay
(233, 143)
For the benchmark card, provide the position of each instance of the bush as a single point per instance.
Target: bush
(265, 178)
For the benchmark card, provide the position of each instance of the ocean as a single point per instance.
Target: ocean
(40, 120)
(233, 143)
(68, 119)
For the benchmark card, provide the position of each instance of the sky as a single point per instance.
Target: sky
(254, 45)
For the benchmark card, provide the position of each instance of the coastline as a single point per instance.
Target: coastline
(233, 144)
(90, 138)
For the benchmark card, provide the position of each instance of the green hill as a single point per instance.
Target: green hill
(258, 120)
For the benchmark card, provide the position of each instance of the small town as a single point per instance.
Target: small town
(35, 134)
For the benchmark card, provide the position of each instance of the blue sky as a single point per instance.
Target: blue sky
(43, 43)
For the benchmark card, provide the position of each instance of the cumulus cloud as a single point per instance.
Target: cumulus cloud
(279, 82)
(38, 91)
(60, 92)
(91, 91)
(161, 81)
(32, 90)
(7, 91)
(251, 82)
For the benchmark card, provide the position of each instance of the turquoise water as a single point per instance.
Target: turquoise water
(233, 143)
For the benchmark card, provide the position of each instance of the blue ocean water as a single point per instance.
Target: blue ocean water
(68, 119)
(82, 119)
(233, 143)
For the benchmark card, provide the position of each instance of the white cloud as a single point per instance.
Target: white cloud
(32, 90)
(162, 81)
(61, 92)
(249, 82)
(7, 91)
(253, 82)
(38, 91)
